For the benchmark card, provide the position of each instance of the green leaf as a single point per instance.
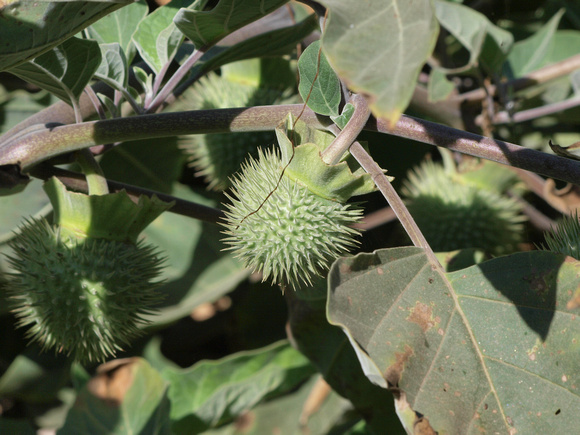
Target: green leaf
(65, 70)
(15, 208)
(379, 49)
(28, 29)
(439, 86)
(197, 270)
(328, 349)
(125, 397)
(35, 377)
(484, 41)
(570, 152)
(262, 72)
(319, 86)
(113, 69)
(19, 105)
(342, 119)
(205, 28)
(273, 43)
(157, 38)
(21, 427)
(151, 163)
(491, 348)
(564, 45)
(285, 415)
(530, 54)
(213, 392)
(120, 26)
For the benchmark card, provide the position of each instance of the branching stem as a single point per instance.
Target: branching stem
(334, 152)
(394, 200)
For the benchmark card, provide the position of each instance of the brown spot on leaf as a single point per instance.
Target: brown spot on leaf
(422, 427)
(245, 422)
(344, 268)
(422, 315)
(574, 302)
(394, 372)
(113, 380)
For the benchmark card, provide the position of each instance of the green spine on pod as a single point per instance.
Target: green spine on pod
(84, 284)
(454, 213)
(565, 237)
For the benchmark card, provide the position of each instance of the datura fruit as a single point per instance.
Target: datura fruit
(83, 284)
(455, 212)
(288, 216)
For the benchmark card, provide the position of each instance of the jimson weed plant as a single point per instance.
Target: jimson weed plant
(224, 216)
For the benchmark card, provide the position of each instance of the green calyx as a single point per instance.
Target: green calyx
(279, 227)
(85, 297)
(455, 214)
(110, 217)
(301, 147)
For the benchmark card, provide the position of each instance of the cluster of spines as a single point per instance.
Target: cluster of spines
(277, 226)
(565, 238)
(85, 297)
(455, 214)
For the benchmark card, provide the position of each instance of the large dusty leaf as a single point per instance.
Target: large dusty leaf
(212, 392)
(28, 29)
(65, 70)
(126, 396)
(491, 348)
(120, 26)
(379, 49)
(205, 28)
(484, 41)
(157, 38)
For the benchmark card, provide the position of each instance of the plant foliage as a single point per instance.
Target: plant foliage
(229, 138)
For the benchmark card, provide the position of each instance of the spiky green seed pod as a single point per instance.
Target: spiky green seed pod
(84, 297)
(454, 214)
(216, 157)
(294, 235)
(565, 238)
(84, 284)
